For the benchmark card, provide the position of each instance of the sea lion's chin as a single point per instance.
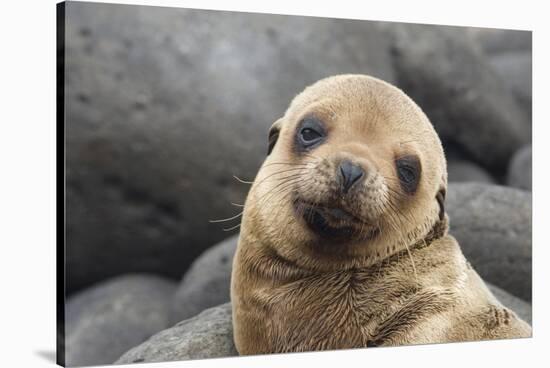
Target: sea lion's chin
(331, 222)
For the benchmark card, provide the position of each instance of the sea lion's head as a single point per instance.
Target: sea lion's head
(355, 172)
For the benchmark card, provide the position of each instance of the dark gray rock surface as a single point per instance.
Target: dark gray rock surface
(206, 283)
(208, 335)
(448, 75)
(493, 226)
(520, 171)
(465, 171)
(164, 106)
(498, 41)
(515, 70)
(106, 320)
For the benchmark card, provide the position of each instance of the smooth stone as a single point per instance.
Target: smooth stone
(520, 171)
(208, 335)
(465, 171)
(107, 319)
(206, 283)
(493, 225)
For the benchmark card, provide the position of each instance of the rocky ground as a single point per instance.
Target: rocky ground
(164, 106)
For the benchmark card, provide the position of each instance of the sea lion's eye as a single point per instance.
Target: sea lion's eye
(408, 171)
(310, 133)
(406, 174)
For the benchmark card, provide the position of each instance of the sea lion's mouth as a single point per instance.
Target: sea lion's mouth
(332, 222)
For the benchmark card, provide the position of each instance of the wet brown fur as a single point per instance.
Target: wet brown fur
(409, 285)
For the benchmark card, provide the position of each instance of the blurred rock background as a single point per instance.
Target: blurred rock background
(165, 105)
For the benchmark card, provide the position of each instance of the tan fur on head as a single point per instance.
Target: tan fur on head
(370, 123)
(344, 237)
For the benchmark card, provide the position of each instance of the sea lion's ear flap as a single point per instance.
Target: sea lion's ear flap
(274, 135)
(440, 197)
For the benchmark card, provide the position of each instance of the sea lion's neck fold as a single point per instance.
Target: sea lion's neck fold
(438, 230)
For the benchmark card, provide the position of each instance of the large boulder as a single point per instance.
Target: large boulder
(208, 335)
(164, 106)
(448, 75)
(515, 70)
(206, 283)
(520, 171)
(498, 41)
(465, 171)
(493, 226)
(106, 320)
(510, 54)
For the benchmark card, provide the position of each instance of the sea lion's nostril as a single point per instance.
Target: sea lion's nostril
(350, 174)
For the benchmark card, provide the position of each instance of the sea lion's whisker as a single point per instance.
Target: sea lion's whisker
(284, 180)
(263, 199)
(232, 228)
(412, 261)
(284, 197)
(283, 186)
(393, 223)
(242, 181)
(280, 172)
(226, 219)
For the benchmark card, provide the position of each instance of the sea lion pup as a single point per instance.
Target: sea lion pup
(344, 239)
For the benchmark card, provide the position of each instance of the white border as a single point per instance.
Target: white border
(27, 180)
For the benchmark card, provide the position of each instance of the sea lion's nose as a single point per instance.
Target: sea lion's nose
(350, 174)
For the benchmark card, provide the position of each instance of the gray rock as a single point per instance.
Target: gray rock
(106, 320)
(493, 226)
(164, 106)
(497, 41)
(448, 75)
(522, 308)
(207, 282)
(520, 171)
(464, 171)
(208, 335)
(515, 70)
